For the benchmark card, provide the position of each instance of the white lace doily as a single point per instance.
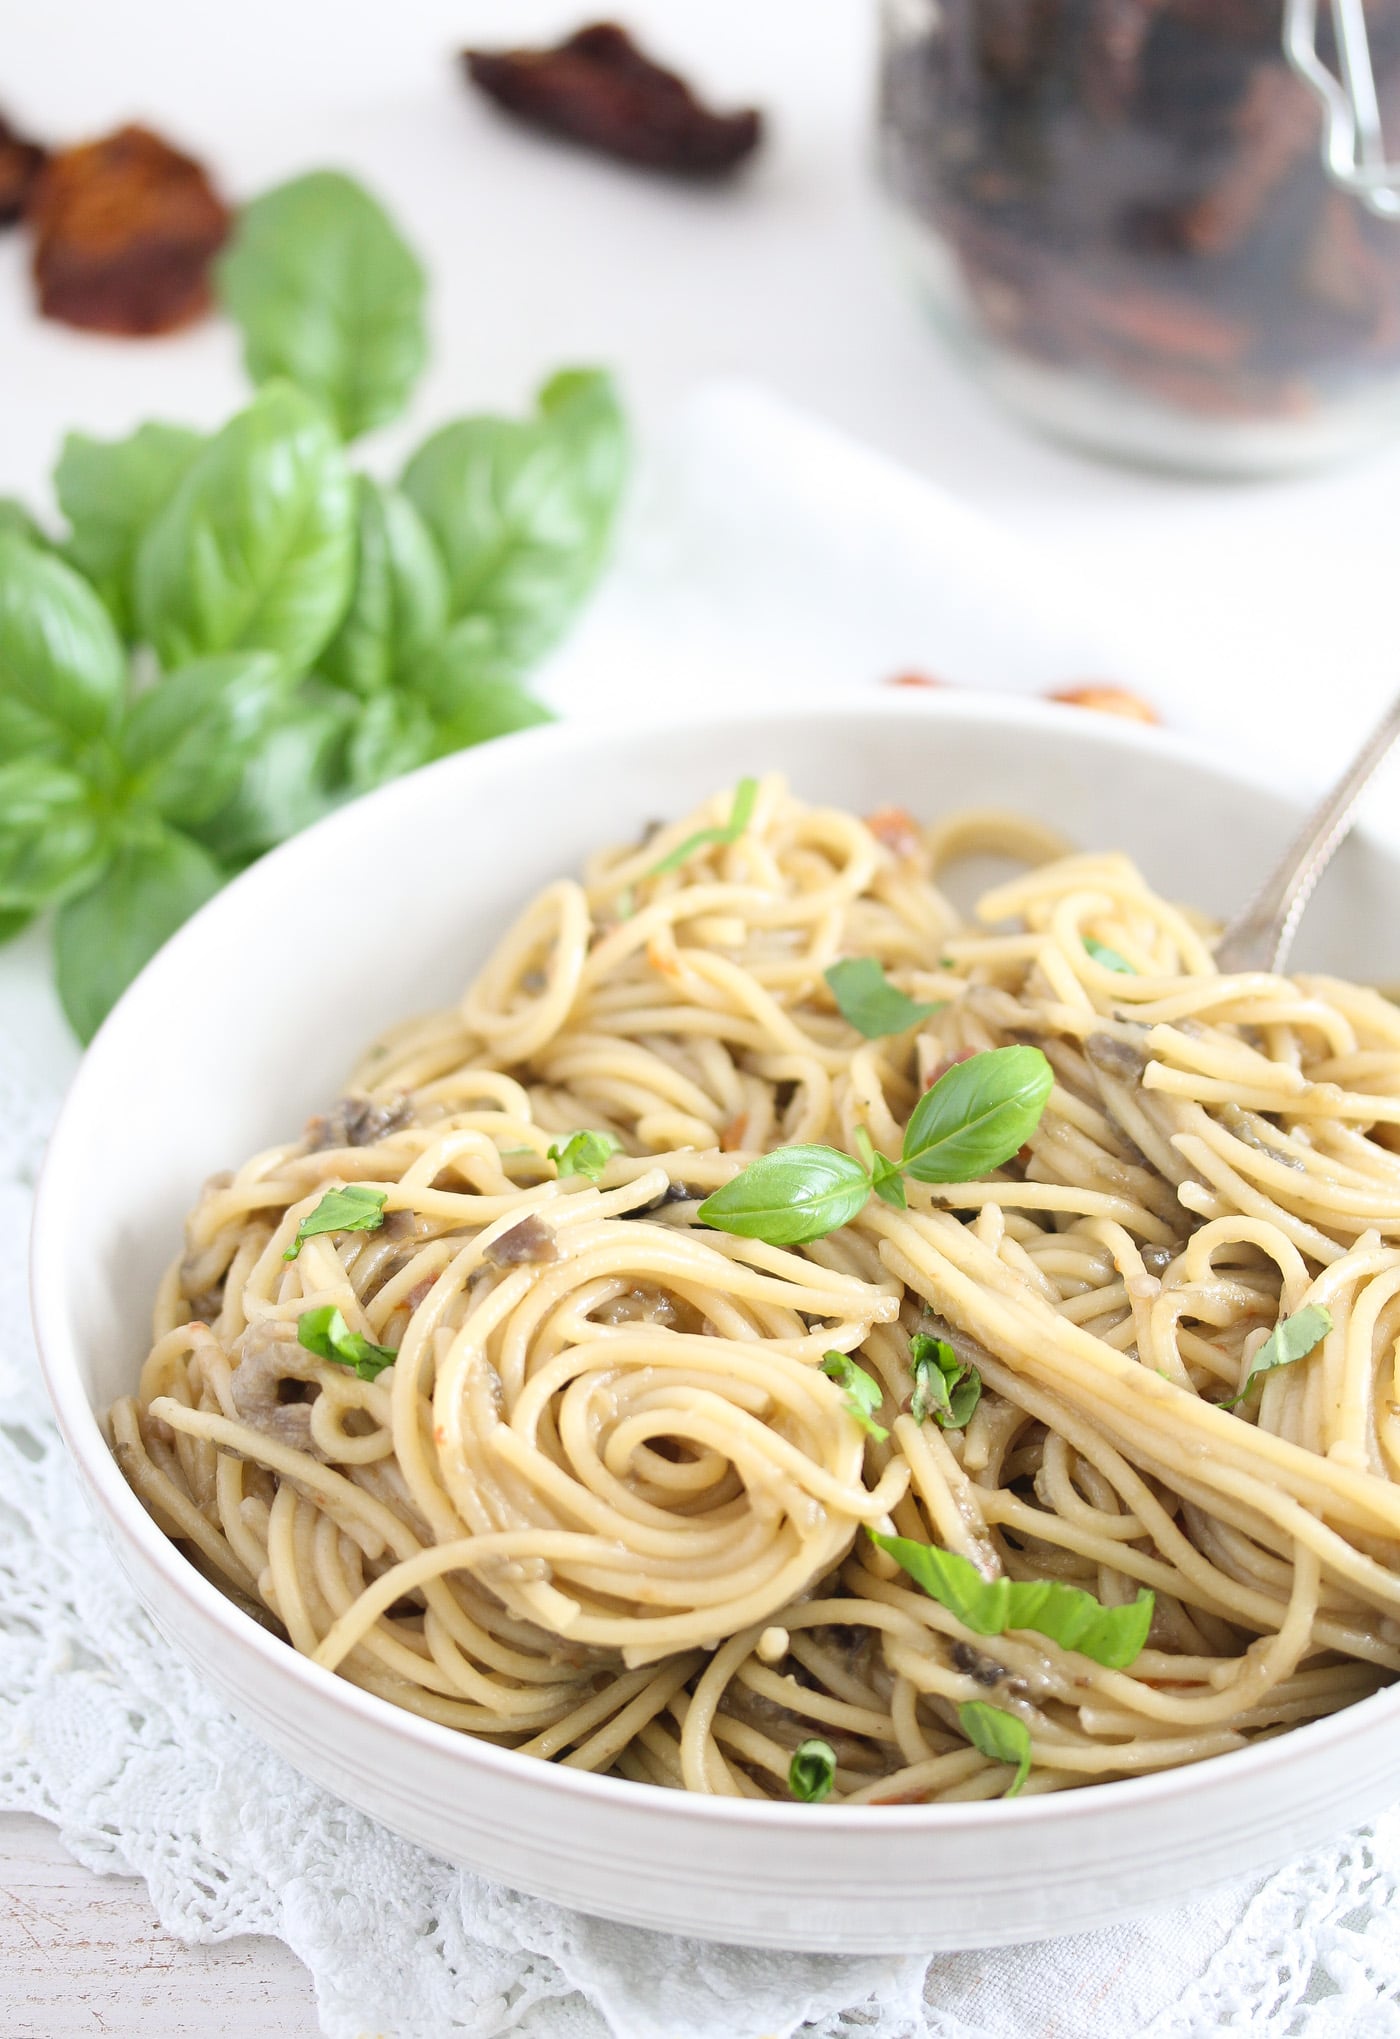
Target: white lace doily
(105, 1732)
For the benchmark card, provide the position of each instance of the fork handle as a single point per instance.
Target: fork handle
(1261, 935)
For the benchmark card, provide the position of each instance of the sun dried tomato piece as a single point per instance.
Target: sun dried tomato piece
(20, 163)
(897, 829)
(1107, 701)
(597, 87)
(125, 228)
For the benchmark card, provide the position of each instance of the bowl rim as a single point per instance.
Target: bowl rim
(84, 1437)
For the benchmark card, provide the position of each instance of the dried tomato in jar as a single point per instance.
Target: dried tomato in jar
(1118, 211)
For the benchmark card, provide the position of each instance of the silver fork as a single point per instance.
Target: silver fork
(1262, 933)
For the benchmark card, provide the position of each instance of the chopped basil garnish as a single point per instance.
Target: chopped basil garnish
(326, 1333)
(740, 815)
(1109, 958)
(585, 1154)
(356, 1208)
(870, 1002)
(999, 1735)
(1111, 1636)
(977, 1115)
(1291, 1339)
(812, 1771)
(945, 1387)
(863, 1394)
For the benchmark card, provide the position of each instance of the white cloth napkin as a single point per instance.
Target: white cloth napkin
(764, 555)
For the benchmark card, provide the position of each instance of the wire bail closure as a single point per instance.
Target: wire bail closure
(1353, 146)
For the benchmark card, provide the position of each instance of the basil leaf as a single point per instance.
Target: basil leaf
(289, 781)
(355, 1208)
(399, 603)
(812, 1771)
(16, 521)
(393, 734)
(581, 403)
(325, 1332)
(863, 1394)
(1292, 1338)
(888, 1182)
(977, 1115)
(13, 922)
(330, 295)
(109, 490)
(106, 934)
(51, 842)
(469, 692)
(522, 512)
(62, 669)
(740, 815)
(945, 1387)
(254, 550)
(188, 740)
(999, 1735)
(585, 1154)
(868, 1000)
(790, 1196)
(1112, 1636)
(1109, 958)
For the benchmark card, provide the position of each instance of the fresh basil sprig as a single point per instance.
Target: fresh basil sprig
(740, 815)
(1107, 957)
(945, 1387)
(869, 1001)
(355, 1208)
(863, 1393)
(1002, 1736)
(1291, 1339)
(1111, 1636)
(812, 1771)
(585, 1153)
(325, 1332)
(100, 790)
(977, 1115)
(315, 632)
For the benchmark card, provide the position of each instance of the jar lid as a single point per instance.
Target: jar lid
(1353, 146)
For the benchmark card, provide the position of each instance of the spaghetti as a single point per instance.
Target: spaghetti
(597, 1493)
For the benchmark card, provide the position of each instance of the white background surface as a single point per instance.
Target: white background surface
(1269, 607)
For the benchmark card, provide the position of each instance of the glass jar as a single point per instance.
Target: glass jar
(1117, 210)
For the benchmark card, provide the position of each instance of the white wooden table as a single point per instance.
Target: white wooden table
(538, 257)
(82, 1957)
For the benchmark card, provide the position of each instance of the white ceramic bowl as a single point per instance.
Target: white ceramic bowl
(249, 1020)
